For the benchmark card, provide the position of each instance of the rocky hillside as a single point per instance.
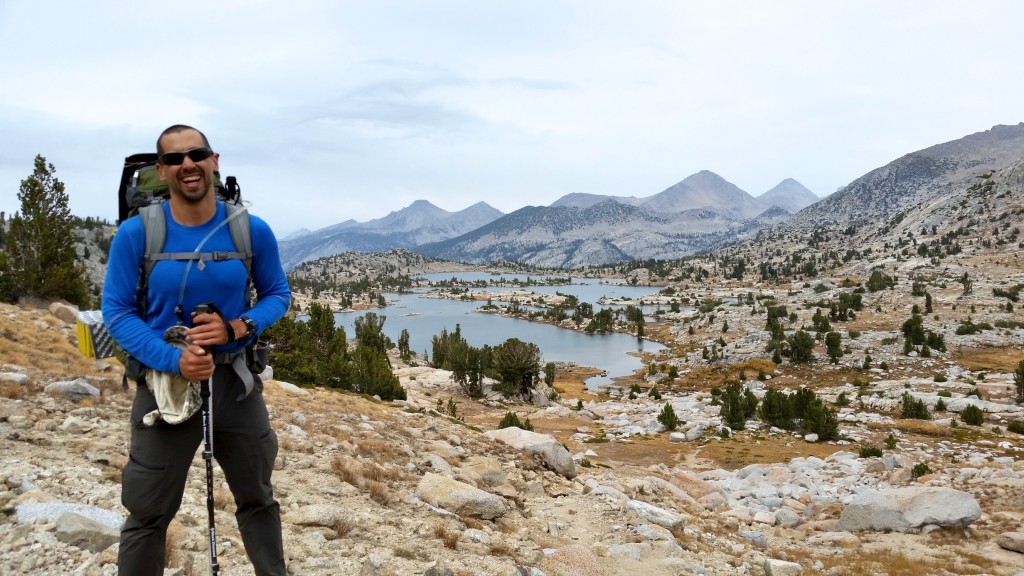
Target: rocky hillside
(570, 237)
(371, 488)
(918, 177)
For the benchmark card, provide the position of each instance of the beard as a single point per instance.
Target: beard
(193, 196)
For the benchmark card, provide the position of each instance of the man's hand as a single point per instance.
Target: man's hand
(208, 329)
(196, 363)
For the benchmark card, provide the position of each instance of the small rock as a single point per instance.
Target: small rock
(773, 567)
(1011, 541)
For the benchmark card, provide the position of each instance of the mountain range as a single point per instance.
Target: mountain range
(700, 213)
(419, 223)
(576, 230)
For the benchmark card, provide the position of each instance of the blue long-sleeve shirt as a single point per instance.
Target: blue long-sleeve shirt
(221, 282)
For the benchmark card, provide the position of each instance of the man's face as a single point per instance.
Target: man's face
(190, 181)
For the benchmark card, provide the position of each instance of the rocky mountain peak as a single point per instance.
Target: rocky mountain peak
(789, 195)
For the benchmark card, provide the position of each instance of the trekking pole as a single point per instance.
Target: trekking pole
(207, 416)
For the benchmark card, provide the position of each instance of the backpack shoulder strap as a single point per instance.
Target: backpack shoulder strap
(154, 227)
(241, 234)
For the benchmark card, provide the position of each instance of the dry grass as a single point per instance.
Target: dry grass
(896, 563)
(112, 474)
(500, 548)
(378, 473)
(410, 554)
(223, 500)
(449, 537)
(342, 526)
(348, 470)
(988, 359)
(13, 390)
(472, 523)
(175, 536)
(378, 450)
(379, 492)
(922, 427)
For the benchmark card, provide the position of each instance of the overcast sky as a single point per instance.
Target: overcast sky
(330, 110)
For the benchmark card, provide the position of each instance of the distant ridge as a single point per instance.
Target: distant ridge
(419, 223)
(705, 189)
(917, 177)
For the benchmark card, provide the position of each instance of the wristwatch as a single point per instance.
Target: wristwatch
(250, 328)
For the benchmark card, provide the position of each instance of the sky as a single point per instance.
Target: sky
(330, 110)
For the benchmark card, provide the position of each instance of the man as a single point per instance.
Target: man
(245, 445)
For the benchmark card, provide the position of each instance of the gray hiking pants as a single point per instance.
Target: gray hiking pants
(153, 482)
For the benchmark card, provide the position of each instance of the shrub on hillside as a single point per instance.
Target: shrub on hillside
(920, 469)
(914, 408)
(972, 415)
(511, 419)
(668, 417)
(870, 452)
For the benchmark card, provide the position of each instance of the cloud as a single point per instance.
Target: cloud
(334, 110)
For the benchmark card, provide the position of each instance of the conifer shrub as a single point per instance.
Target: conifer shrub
(972, 415)
(870, 452)
(920, 469)
(511, 419)
(1016, 426)
(914, 408)
(668, 417)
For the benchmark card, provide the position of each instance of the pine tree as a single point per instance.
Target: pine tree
(41, 259)
(801, 346)
(834, 346)
(668, 417)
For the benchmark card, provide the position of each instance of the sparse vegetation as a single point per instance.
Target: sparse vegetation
(512, 419)
(668, 417)
(972, 415)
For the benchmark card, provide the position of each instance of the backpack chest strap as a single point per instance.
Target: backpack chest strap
(199, 256)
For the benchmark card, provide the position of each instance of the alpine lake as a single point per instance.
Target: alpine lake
(615, 354)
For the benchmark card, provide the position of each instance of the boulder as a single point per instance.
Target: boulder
(488, 470)
(85, 533)
(551, 453)
(908, 509)
(656, 515)
(324, 515)
(75, 391)
(291, 388)
(460, 498)
(573, 560)
(28, 512)
(694, 485)
(773, 567)
(66, 312)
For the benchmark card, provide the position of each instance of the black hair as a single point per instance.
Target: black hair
(174, 129)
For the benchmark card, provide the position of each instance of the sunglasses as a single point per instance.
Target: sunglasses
(178, 158)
